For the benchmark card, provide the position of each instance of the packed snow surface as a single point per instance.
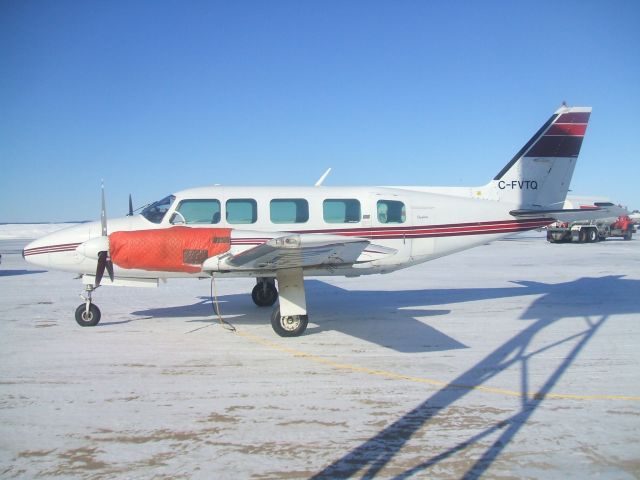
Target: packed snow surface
(30, 230)
(517, 359)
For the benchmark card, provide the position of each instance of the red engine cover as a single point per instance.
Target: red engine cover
(176, 249)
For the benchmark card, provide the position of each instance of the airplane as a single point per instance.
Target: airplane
(284, 234)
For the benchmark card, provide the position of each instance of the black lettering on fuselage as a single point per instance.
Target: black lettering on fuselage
(518, 185)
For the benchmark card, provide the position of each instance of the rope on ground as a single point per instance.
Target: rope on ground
(216, 306)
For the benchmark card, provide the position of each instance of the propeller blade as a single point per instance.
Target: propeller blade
(109, 265)
(102, 263)
(103, 255)
(103, 215)
(130, 206)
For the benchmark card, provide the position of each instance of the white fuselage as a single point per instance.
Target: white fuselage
(431, 225)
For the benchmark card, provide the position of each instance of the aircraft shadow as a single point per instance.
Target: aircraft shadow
(387, 318)
(381, 322)
(11, 273)
(594, 299)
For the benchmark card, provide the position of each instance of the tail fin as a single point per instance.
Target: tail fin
(538, 176)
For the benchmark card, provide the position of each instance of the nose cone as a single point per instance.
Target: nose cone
(57, 250)
(37, 252)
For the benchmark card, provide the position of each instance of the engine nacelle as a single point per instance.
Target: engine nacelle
(175, 249)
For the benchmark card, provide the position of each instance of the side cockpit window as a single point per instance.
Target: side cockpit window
(157, 210)
(197, 212)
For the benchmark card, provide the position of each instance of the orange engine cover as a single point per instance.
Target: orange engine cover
(175, 249)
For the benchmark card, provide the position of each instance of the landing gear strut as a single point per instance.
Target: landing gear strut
(264, 294)
(87, 314)
(290, 318)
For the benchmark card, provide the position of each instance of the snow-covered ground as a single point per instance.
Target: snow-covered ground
(518, 359)
(29, 230)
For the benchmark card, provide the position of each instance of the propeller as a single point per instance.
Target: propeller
(130, 214)
(103, 256)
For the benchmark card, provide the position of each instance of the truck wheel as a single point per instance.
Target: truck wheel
(592, 235)
(627, 234)
(582, 236)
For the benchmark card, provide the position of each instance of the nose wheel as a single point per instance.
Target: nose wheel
(87, 313)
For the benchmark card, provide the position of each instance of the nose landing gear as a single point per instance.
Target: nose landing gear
(87, 314)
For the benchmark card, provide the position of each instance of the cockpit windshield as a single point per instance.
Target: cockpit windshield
(156, 211)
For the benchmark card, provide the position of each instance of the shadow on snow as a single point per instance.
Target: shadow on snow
(392, 319)
(11, 273)
(593, 299)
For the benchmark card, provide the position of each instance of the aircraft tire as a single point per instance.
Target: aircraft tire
(87, 320)
(290, 326)
(262, 298)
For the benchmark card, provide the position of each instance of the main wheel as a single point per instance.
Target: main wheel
(288, 326)
(87, 319)
(264, 294)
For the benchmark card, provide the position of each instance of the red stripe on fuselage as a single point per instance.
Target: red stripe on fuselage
(65, 247)
(399, 232)
(448, 227)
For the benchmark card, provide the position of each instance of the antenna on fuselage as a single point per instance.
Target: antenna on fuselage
(321, 179)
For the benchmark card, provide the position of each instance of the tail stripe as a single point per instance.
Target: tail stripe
(527, 146)
(564, 137)
(556, 146)
(577, 129)
(574, 117)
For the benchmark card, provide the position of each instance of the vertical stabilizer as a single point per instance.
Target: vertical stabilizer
(538, 176)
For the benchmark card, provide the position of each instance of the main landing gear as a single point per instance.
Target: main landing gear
(290, 318)
(264, 294)
(87, 314)
(289, 325)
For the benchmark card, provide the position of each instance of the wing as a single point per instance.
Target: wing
(300, 251)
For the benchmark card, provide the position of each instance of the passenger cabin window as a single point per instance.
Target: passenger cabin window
(341, 210)
(242, 210)
(391, 211)
(197, 212)
(157, 210)
(289, 210)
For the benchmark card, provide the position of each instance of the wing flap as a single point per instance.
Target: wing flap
(300, 251)
(293, 251)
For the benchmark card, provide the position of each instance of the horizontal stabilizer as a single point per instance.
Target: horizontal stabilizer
(564, 215)
(550, 213)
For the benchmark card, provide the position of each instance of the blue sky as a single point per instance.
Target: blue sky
(158, 96)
